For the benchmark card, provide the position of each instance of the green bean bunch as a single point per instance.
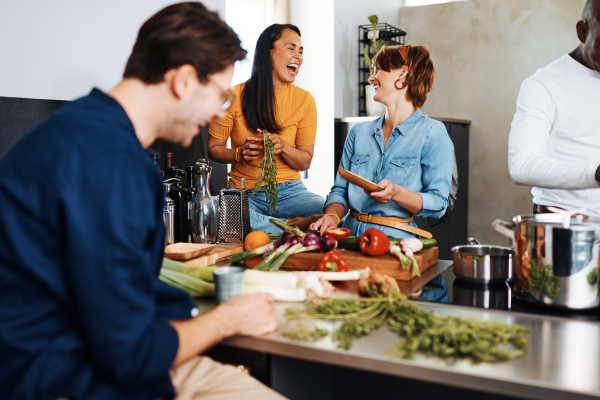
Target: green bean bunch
(268, 174)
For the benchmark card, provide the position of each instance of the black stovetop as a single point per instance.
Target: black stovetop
(499, 297)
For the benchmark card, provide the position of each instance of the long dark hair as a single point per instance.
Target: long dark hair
(258, 96)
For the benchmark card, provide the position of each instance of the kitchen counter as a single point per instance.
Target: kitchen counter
(563, 359)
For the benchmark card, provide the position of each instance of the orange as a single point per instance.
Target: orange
(253, 262)
(256, 239)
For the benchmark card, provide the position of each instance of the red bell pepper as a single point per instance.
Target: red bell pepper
(338, 233)
(374, 242)
(332, 262)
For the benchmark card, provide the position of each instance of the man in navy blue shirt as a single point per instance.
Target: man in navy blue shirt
(82, 313)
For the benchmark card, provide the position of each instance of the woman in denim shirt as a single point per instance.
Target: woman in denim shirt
(406, 153)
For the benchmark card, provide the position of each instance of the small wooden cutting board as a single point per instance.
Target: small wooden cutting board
(385, 264)
(219, 252)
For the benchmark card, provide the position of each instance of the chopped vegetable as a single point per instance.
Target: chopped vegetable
(268, 174)
(374, 242)
(338, 233)
(383, 283)
(332, 262)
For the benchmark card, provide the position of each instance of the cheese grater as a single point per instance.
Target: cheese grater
(234, 214)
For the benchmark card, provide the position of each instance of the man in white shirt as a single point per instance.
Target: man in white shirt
(554, 142)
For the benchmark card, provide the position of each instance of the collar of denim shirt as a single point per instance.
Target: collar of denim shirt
(403, 128)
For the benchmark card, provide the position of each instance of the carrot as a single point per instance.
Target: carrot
(363, 284)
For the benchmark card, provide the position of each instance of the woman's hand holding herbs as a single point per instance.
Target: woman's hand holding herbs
(251, 149)
(278, 143)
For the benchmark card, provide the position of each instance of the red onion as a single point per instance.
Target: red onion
(292, 240)
(328, 243)
(311, 240)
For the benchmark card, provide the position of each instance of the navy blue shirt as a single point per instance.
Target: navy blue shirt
(82, 312)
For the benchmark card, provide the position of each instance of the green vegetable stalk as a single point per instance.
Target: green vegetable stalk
(305, 335)
(542, 280)
(269, 172)
(419, 330)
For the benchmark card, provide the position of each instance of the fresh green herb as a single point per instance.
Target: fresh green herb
(268, 174)
(305, 335)
(594, 275)
(419, 330)
(541, 280)
(292, 313)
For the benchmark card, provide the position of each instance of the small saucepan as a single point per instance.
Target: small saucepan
(482, 263)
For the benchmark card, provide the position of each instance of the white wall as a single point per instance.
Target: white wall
(349, 14)
(314, 19)
(60, 49)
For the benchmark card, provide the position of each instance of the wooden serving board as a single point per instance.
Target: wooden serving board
(385, 264)
(219, 252)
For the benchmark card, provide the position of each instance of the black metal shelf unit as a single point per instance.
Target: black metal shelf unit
(392, 36)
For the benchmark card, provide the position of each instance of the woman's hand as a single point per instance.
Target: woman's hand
(322, 224)
(251, 149)
(385, 195)
(278, 143)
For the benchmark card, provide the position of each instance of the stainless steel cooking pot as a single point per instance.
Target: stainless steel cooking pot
(481, 263)
(556, 259)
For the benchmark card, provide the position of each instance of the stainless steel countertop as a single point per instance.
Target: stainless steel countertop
(563, 360)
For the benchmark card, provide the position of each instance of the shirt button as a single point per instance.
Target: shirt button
(377, 135)
(357, 160)
(402, 163)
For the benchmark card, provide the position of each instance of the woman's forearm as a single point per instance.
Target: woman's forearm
(221, 154)
(337, 209)
(296, 158)
(411, 201)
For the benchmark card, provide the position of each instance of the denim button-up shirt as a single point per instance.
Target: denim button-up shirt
(418, 156)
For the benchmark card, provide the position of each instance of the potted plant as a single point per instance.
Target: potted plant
(373, 108)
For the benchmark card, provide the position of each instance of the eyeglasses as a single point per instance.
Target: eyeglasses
(227, 96)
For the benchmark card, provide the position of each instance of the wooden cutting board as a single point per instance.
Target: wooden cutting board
(219, 252)
(385, 264)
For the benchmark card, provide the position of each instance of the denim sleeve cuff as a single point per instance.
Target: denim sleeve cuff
(429, 205)
(335, 198)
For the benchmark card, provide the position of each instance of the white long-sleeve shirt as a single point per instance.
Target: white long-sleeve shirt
(554, 141)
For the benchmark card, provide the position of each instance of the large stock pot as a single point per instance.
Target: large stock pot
(556, 259)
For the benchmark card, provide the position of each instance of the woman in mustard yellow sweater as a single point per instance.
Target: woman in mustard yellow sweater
(269, 100)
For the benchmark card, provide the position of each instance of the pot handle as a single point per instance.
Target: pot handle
(504, 228)
(472, 240)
